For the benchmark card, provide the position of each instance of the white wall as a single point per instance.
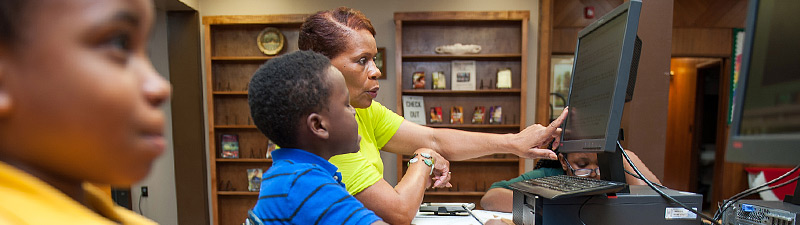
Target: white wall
(161, 205)
(194, 4)
(381, 14)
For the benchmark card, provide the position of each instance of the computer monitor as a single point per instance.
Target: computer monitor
(766, 115)
(606, 56)
(766, 104)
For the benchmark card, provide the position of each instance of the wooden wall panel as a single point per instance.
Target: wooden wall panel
(570, 13)
(188, 133)
(565, 39)
(701, 42)
(709, 13)
(645, 118)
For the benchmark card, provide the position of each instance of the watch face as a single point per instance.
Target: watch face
(270, 41)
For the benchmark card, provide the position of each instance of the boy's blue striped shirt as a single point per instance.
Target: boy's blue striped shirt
(303, 188)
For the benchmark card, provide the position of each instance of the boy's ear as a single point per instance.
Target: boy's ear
(318, 125)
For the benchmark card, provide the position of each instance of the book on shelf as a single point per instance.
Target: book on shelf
(457, 115)
(414, 109)
(229, 144)
(495, 115)
(478, 114)
(438, 80)
(463, 75)
(418, 80)
(504, 78)
(254, 179)
(436, 114)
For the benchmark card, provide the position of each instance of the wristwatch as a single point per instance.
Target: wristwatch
(426, 158)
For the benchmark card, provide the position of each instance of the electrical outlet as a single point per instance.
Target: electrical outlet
(145, 192)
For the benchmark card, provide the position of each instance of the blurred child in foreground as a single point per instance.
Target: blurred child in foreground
(79, 104)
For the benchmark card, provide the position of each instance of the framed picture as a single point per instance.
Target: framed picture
(462, 77)
(380, 62)
(561, 66)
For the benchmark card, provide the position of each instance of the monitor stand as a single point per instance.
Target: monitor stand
(612, 167)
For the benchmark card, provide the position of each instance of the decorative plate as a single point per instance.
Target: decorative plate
(270, 41)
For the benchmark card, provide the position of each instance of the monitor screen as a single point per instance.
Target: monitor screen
(603, 60)
(766, 117)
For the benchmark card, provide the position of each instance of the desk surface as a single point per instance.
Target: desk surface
(427, 218)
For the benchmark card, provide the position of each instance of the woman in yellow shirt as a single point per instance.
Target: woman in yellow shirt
(346, 36)
(79, 104)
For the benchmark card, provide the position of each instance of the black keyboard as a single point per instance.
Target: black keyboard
(563, 186)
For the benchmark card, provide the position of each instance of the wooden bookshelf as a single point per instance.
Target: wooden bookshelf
(231, 58)
(503, 36)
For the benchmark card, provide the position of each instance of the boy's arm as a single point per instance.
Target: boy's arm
(642, 168)
(498, 199)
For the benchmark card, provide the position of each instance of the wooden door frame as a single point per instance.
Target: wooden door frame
(686, 180)
(543, 58)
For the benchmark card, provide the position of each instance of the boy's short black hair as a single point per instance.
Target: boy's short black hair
(286, 89)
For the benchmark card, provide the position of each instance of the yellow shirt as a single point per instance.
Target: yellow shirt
(376, 125)
(24, 199)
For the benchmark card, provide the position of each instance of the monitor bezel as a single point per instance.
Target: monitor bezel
(773, 149)
(608, 144)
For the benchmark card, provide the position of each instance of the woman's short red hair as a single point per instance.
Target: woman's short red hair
(326, 32)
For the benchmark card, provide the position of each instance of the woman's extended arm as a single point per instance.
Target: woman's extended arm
(457, 145)
(399, 204)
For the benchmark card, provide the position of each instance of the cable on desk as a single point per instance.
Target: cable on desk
(640, 178)
(652, 186)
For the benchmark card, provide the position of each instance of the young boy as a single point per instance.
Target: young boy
(300, 102)
(79, 104)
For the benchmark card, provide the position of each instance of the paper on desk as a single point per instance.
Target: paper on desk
(483, 215)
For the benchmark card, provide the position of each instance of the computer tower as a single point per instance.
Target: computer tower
(758, 212)
(641, 206)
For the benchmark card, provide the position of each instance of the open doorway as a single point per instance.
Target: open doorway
(692, 124)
